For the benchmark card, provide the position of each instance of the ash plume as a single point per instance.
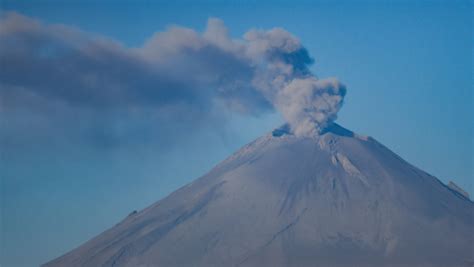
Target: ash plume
(307, 103)
(176, 73)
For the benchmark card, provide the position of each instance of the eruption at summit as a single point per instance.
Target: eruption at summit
(310, 193)
(178, 69)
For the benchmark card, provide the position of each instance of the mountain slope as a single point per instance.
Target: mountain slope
(336, 199)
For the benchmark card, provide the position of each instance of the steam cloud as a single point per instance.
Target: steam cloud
(177, 71)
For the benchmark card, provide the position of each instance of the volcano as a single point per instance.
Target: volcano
(330, 200)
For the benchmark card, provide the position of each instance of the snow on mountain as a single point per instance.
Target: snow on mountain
(334, 199)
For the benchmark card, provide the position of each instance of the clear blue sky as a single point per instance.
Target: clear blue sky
(407, 66)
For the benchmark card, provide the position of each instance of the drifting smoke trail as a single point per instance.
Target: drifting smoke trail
(178, 70)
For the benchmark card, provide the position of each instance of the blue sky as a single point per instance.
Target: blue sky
(407, 66)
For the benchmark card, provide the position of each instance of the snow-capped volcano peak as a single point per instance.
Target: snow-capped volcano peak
(332, 199)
